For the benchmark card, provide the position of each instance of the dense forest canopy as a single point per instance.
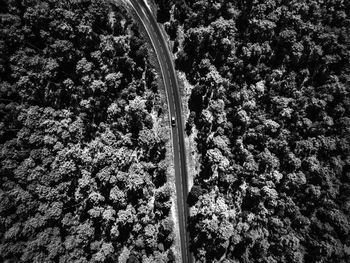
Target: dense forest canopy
(83, 174)
(82, 150)
(270, 109)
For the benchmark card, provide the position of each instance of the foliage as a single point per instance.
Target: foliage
(80, 159)
(271, 106)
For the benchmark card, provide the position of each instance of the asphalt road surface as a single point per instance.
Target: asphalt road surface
(174, 105)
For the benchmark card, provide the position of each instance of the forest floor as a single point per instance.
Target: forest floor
(191, 146)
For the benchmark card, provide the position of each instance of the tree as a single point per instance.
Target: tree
(195, 193)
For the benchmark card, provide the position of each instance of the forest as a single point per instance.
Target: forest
(83, 132)
(83, 175)
(270, 109)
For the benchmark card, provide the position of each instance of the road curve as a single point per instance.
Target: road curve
(174, 105)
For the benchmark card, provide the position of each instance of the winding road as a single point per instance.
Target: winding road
(174, 105)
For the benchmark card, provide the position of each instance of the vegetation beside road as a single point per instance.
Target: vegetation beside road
(270, 106)
(83, 170)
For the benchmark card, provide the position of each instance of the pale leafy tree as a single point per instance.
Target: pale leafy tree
(124, 256)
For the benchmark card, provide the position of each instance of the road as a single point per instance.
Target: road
(174, 105)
